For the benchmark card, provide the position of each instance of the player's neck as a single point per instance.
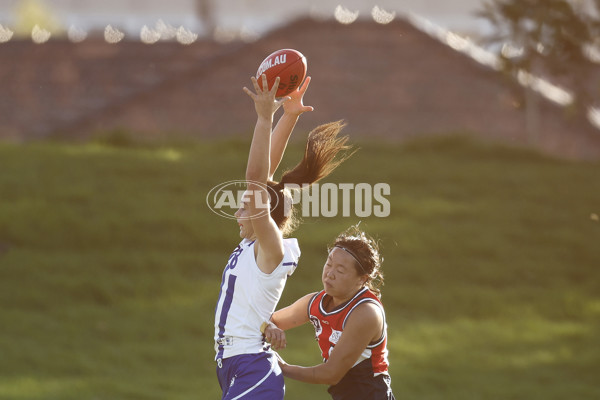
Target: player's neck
(332, 303)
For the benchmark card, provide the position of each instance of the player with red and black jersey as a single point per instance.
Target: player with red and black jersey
(349, 322)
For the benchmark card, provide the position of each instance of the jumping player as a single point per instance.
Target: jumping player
(257, 270)
(349, 323)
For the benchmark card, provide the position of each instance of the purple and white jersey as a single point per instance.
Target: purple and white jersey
(248, 297)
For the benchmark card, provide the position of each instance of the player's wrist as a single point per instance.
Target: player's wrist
(292, 114)
(265, 325)
(264, 119)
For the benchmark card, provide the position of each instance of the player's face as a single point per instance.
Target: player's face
(340, 278)
(244, 222)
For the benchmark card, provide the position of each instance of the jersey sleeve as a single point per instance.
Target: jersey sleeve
(291, 255)
(287, 266)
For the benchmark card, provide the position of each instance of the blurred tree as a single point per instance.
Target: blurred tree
(29, 13)
(558, 39)
(206, 14)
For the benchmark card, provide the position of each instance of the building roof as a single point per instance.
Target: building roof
(387, 81)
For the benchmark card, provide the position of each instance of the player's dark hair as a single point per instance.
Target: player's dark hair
(324, 152)
(365, 251)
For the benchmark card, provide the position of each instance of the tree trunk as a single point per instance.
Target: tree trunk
(206, 14)
(532, 115)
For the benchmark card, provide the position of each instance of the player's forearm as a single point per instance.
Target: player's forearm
(319, 374)
(258, 159)
(286, 319)
(293, 315)
(280, 138)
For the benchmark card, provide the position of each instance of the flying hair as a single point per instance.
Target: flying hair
(325, 151)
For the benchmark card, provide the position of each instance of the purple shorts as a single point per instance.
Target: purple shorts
(251, 376)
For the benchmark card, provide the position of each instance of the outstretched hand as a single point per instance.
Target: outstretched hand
(294, 105)
(264, 98)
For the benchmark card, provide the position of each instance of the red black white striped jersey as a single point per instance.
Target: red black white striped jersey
(329, 327)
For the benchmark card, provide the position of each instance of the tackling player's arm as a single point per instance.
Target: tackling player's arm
(364, 325)
(289, 317)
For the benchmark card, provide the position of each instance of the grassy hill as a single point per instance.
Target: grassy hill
(110, 263)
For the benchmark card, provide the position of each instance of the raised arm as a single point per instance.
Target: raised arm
(292, 109)
(270, 240)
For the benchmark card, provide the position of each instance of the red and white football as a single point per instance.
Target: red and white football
(287, 64)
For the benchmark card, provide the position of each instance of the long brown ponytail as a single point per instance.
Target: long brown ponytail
(319, 160)
(324, 152)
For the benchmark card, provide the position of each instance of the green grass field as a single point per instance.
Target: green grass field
(110, 263)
